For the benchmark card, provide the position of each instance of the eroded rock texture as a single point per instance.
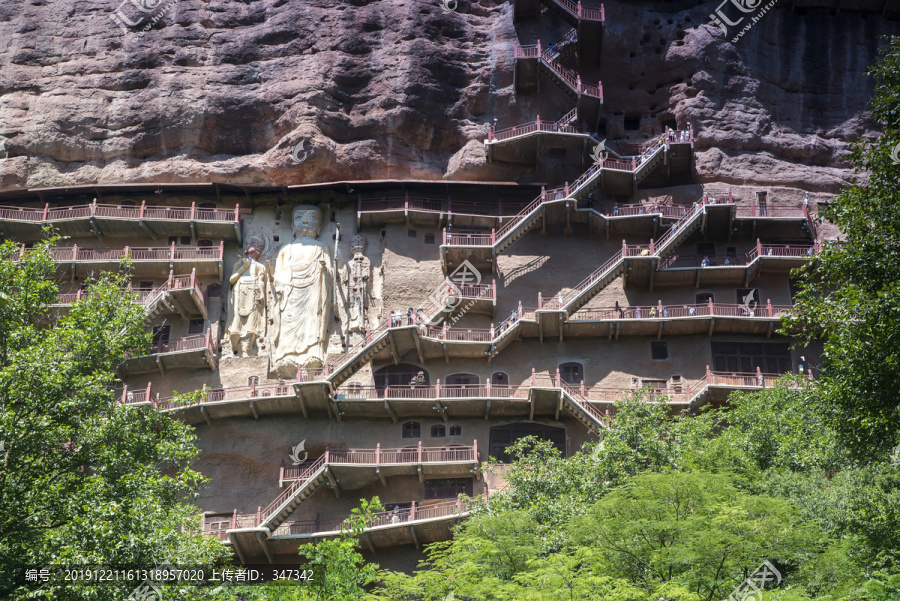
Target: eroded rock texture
(225, 90)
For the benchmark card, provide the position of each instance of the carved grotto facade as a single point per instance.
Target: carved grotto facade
(404, 332)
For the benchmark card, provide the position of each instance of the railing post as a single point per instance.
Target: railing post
(193, 278)
(659, 308)
(758, 248)
(623, 248)
(437, 389)
(172, 250)
(221, 249)
(458, 505)
(769, 306)
(652, 247)
(494, 289)
(708, 378)
(445, 236)
(543, 194)
(538, 122)
(475, 448)
(193, 210)
(539, 56)
(203, 394)
(710, 304)
(124, 400)
(532, 377)
(730, 197)
(420, 451)
(127, 249)
(492, 331)
(281, 476)
(412, 511)
(582, 388)
(94, 207)
(406, 200)
(378, 454)
(520, 309)
(258, 515)
(78, 294)
(143, 208)
(237, 212)
(46, 211)
(540, 301)
(567, 189)
(75, 252)
(579, 9)
(148, 392)
(759, 377)
(493, 236)
(445, 332)
(558, 381)
(327, 452)
(487, 381)
(633, 163)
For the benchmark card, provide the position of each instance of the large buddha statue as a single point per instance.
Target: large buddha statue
(302, 288)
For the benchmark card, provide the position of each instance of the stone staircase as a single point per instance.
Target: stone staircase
(592, 419)
(288, 501)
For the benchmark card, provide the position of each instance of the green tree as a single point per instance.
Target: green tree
(84, 480)
(850, 300)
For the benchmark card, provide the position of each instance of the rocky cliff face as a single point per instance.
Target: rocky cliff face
(228, 90)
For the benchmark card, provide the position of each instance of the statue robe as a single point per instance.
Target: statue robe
(303, 301)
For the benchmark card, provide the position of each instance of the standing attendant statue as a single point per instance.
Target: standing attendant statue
(248, 302)
(357, 278)
(302, 284)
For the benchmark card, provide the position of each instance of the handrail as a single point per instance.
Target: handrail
(161, 253)
(144, 211)
(661, 311)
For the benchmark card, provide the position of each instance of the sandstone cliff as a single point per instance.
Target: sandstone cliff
(225, 90)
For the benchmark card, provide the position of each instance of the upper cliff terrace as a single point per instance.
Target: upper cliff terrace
(127, 219)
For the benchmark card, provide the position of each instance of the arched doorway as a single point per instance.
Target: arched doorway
(504, 436)
(401, 375)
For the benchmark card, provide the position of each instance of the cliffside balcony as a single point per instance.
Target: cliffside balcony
(426, 211)
(179, 294)
(190, 352)
(420, 524)
(146, 261)
(676, 320)
(139, 221)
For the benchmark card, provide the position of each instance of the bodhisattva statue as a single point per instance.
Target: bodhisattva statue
(248, 302)
(302, 284)
(357, 279)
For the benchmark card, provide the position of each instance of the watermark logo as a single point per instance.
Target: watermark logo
(300, 152)
(752, 588)
(895, 456)
(895, 154)
(149, 590)
(744, 7)
(295, 453)
(450, 597)
(132, 13)
(750, 302)
(449, 6)
(450, 293)
(599, 154)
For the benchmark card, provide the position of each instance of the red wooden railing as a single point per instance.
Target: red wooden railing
(416, 512)
(661, 311)
(164, 253)
(111, 211)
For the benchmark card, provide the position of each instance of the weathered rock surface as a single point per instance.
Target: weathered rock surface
(226, 90)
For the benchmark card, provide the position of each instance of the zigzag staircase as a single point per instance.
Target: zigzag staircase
(583, 411)
(606, 273)
(301, 489)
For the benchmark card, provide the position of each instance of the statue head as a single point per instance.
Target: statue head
(358, 243)
(306, 221)
(252, 252)
(257, 242)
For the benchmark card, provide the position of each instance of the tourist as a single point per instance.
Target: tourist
(704, 262)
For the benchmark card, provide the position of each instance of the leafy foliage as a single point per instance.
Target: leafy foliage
(84, 480)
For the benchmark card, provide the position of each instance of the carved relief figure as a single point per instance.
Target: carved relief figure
(357, 278)
(248, 301)
(302, 285)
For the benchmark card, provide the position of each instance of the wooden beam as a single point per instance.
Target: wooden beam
(697, 278)
(333, 482)
(380, 476)
(237, 548)
(415, 335)
(487, 410)
(618, 324)
(421, 473)
(446, 354)
(253, 410)
(391, 411)
(265, 546)
(659, 330)
(302, 404)
(368, 542)
(770, 328)
(531, 407)
(442, 410)
(412, 531)
(205, 415)
(159, 364)
(712, 325)
(558, 407)
(147, 229)
(395, 352)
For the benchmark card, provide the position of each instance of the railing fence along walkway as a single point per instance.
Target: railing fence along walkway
(146, 296)
(188, 343)
(359, 457)
(144, 211)
(163, 253)
(570, 79)
(567, 192)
